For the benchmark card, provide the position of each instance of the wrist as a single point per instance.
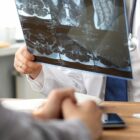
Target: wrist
(35, 74)
(39, 115)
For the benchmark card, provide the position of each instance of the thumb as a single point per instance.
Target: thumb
(68, 108)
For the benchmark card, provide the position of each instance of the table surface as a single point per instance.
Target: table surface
(10, 50)
(125, 110)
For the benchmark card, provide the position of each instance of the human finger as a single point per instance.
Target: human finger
(22, 51)
(61, 94)
(27, 54)
(68, 108)
(52, 107)
(26, 63)
(88, 105)
(20, 67)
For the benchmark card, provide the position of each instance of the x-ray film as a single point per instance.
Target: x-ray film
(90, 35)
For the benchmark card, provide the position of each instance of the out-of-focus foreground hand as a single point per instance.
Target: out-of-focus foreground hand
(24, 63)
(88, 112)
(52, 107)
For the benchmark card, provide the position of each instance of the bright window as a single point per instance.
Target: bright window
(9, 18)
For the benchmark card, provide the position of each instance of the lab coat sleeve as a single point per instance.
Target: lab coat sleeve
(52, 77)
(21, 126)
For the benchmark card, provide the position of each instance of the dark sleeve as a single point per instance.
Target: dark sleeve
(21, 126)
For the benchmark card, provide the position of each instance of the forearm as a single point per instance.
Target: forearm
(16, 126)
(21, 126)
(64, 130)
(57, 77)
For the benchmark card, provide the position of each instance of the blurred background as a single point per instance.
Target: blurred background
(12, 84)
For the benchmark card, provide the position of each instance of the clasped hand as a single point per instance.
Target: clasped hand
(61, 103)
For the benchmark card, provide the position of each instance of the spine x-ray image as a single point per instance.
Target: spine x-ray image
(88, 35)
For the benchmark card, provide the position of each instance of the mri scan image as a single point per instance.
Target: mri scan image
(89, 35)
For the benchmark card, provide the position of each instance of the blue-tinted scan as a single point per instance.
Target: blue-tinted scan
(88, 35)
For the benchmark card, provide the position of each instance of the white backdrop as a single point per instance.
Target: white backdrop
(9, 22)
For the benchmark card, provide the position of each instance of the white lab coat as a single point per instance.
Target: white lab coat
(86, 82)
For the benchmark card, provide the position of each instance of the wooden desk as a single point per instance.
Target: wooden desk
(125, 110)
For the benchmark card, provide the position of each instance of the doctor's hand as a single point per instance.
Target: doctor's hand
(52, 107)
(87, 112)
(24, 63)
